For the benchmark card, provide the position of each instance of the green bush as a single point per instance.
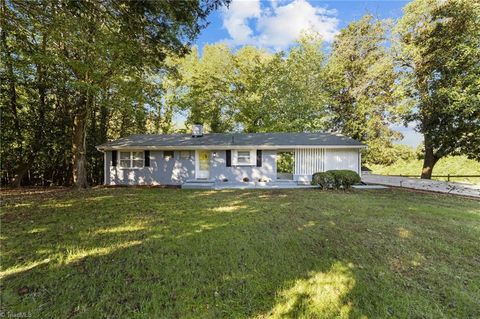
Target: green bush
(339, 179)
(345, 178)
(324, 179)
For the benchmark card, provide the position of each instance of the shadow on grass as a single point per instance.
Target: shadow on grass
(177, 253)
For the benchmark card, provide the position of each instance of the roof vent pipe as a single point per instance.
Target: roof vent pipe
(197, 130)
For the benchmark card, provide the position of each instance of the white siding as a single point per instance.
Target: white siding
(342, 159)
(309, 161)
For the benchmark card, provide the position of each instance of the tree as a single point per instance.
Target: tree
(284, 92)
(152, 29)
(362, 85)
(25, 78)
(207, 87)
(299, 87)
(67, 67)
(252, 89)
(439, 59)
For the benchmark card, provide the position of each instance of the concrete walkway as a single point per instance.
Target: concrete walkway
(279, 184)
(424, 184)
(272, 185)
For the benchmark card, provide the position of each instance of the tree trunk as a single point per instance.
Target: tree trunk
(428, 162)
(21, 170)
(103, 127)
(165, 119)
(215, 121)
(104, 115)
(79, 146)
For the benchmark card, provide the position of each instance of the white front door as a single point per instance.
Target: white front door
(202, 164)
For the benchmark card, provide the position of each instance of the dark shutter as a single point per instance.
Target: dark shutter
(259, 158)
(147, 158)
(229, 158)
(114, 158)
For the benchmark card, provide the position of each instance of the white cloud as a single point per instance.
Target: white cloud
(276, 25)
(236, 17)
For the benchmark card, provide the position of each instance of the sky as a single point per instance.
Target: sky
(276, 24)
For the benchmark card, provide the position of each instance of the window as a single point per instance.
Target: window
(167, 154)
(131, 159)
(125, 159)
(243, 158)
(186, 155)
(137, 159)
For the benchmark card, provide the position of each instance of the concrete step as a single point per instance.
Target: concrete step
(285, 181)
(200, 181)
(199, 184)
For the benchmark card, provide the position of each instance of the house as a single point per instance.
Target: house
(221, 158)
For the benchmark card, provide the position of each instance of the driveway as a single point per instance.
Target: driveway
(424, 184)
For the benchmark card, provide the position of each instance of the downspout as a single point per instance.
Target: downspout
(360, 162)
(104, 168)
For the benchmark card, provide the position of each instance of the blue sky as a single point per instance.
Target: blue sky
(275, 24)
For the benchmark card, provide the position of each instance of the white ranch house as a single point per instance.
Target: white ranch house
(225, 158)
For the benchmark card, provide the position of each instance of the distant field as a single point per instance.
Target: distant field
(455, 165)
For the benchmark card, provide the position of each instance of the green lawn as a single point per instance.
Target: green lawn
(454, 165)
(170, 253)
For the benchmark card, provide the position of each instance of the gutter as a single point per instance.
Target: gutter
(227, 147)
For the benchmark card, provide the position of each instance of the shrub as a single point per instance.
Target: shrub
(335, 179)
(345, 178)
(324, 180)
(246, 179)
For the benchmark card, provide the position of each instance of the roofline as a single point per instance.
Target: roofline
(223, 147)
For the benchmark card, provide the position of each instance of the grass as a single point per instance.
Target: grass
(454, 165)
(169, 253)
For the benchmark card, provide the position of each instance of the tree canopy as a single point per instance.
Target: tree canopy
(439, 58)
(364, 97)
(73, 71)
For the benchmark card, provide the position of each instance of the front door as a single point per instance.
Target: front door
(202, 164)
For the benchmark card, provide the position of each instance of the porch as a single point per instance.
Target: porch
(268, 169)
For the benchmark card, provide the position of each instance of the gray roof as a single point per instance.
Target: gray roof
(231, 140)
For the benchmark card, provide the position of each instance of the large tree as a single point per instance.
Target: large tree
(81, 65)
(252, 86)
(439, 56)
(362, 85)
(299, 87)
(206, 87)
(282, 92)
(25, 74)
(254, 91)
